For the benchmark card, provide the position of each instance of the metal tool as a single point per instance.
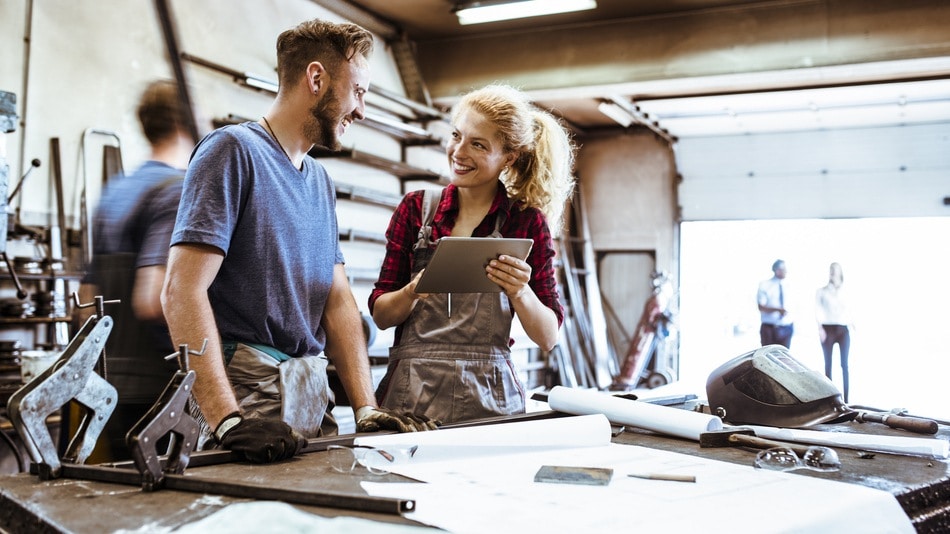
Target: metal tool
(33, 164)
(99, 303)
(744, 437)
(70, 377)
(245, 490)
(904, 422)
(167, 415)
(904, 413)
(20, 292)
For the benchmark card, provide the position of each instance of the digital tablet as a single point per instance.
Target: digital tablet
(458, 264)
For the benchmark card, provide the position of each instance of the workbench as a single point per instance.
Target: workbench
(921, 485)
(28, 504)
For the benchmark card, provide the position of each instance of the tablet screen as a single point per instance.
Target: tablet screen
(458, 264)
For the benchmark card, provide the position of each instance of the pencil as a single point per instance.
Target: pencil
(664, 476)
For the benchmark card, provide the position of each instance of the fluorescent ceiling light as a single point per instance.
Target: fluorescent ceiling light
(494, 10)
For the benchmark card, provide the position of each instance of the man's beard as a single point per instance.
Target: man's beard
(322, 129)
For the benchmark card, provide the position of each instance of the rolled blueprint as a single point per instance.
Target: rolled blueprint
(936, 447)
(662, 419)
(588, 431)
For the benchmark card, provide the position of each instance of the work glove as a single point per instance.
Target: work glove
(259, 441)
(370, 419)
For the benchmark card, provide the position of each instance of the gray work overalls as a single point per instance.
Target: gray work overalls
(271, 385)
(452, 362)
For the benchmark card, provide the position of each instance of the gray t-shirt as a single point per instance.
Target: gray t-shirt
(278, 229)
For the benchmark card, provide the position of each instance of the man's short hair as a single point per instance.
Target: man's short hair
(160, 112)
(318, 40)
(778, 265)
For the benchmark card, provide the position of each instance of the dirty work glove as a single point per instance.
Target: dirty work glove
(259, 440)
(370, 419)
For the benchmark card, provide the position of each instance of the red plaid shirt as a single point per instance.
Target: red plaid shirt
(403, 233)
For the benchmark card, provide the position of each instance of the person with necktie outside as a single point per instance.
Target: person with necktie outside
(777, 326)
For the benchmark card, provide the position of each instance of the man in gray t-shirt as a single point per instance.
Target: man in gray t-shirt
(255, 266)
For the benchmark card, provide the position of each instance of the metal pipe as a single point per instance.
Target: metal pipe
(57, 170)
(171, 44)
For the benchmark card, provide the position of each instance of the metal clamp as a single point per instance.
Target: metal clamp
(167, 415)
(70, 377)
(99, 302)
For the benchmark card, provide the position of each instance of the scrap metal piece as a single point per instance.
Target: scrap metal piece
(167, 416)
(71, 377)
(745, 437)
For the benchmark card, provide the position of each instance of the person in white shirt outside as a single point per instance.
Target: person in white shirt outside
(834, 322)
(777, 325)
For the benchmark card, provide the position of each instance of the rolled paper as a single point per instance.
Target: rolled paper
(935, 447)
(663, 419)
(589, 431)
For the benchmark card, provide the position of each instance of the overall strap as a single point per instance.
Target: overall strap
(430, 204)
(500, 219)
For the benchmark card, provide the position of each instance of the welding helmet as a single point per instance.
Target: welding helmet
(767, 386)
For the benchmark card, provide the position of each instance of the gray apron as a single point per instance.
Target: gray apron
(294, 390)
(453, 362)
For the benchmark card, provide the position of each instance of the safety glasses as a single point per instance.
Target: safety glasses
(376, 461)
(785, 459)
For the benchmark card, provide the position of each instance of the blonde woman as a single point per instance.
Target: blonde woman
(510, 165)
(834, 321)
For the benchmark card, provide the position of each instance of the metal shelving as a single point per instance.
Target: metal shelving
(403, 171)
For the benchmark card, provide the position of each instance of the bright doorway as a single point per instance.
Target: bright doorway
(896, 273)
